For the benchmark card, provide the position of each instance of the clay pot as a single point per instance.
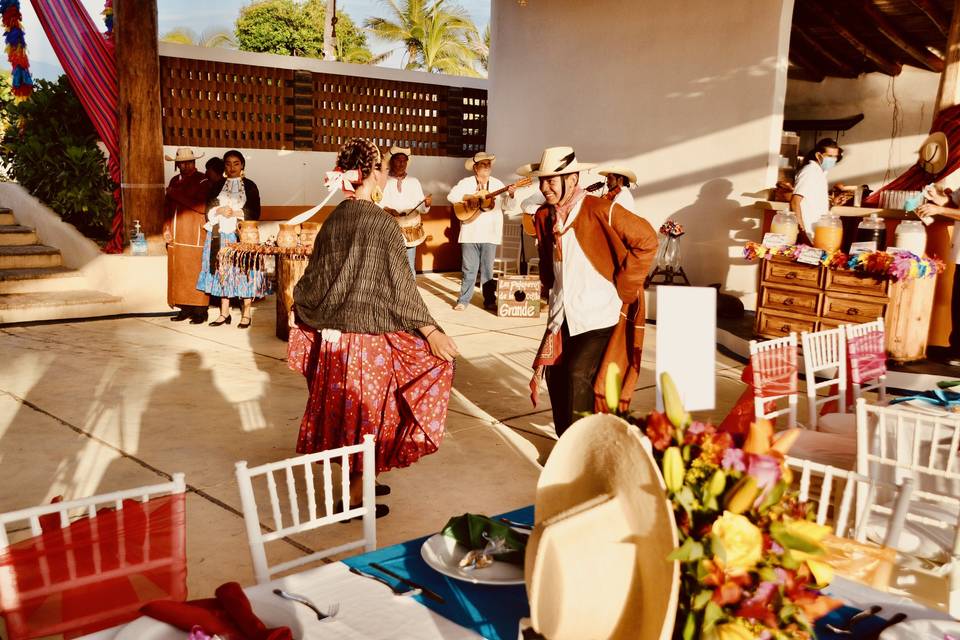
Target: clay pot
(249, 231)
(308, 233)
(287, 237)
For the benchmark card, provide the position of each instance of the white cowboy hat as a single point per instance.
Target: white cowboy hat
(527, 169)
(184, 154)
(394, 150)
(933, 153)
(480, 156)
(620, 171)
(596, 563)
(558, 161)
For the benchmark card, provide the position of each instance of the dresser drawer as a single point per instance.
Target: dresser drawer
(852, 309)
(792, 273)
(801, 301)
(849, 282)
(772, 325)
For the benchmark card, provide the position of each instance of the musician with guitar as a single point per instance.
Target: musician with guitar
(478, 203)
(619, 179)
(403, 199)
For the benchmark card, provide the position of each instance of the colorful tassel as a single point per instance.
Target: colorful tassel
(16, 47)
(108, 17)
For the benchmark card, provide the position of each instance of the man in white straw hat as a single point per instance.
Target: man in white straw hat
(619, 179)
(482, 234)
(601, 254)
(403, 197)
(185, 212)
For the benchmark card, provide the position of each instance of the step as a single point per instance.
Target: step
(29, 257)
(6, 216)
(41, 279)
(57, 305)
(15, 234)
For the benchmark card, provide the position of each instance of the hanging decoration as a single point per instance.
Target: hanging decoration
(16, 46)
(108, 17)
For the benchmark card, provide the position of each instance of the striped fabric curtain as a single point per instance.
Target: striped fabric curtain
(87, 57)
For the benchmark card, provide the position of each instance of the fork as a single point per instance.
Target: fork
(332, 610)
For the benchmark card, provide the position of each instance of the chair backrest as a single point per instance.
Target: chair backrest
(835, 491)
(774, 366)
(510, 247)
(867, 357)
(305, 517)
(823, 351)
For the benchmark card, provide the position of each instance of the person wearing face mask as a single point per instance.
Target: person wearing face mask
(594, 257)
(811, 197)
(184, 206)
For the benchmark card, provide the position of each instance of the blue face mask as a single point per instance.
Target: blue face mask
(828, 162)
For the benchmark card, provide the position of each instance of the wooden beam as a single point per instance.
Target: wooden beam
(811, 49)
(825, 16)
(949, 92)
(917, 51)
(935, 13)
(805, 69)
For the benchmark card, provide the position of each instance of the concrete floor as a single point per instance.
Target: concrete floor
(91, 407)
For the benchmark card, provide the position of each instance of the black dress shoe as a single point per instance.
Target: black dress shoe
(244, 323)
(382, 490)
(220, 321)
(380, 511)
(198, 319)
(180, 317)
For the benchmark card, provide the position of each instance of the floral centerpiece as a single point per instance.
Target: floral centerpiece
(749, 548)
(671, 228)
(897, 266)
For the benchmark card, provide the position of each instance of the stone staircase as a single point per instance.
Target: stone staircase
(34, 284)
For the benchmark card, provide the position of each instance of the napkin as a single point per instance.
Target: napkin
(469, 530)
(947, 399)
(228, 614)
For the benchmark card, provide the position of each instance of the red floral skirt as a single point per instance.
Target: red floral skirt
(388, 385)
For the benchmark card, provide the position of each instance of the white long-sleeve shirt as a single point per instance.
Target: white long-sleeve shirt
(625, 199)
(488, 226)
(402, 194)
(811, 185)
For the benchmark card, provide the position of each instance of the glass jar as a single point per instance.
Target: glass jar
(785, 223)
(828, 233)
(668, 255)
(872, 229)
(911, 236)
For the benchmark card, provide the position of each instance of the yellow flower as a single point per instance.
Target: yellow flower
(729, 631)
(737, 542)
(759, 437)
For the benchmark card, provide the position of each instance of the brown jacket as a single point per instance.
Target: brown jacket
(185, 208)
(621, 246)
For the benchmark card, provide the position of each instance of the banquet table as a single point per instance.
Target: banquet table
(367, 609)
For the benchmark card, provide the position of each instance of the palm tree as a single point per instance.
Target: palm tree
(435, 36)
(213, 37)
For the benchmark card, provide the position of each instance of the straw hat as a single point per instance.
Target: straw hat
(395, 150)
(184, 154)
(527, 169)
(933, 153)
(480, 156)
(620, 171)
(558, 161)
(596, 563)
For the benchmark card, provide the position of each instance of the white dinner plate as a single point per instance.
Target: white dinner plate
(146, 628)
(930, 408)
(444, 554)
(922, 630)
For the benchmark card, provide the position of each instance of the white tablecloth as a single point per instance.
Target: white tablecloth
(367, 610)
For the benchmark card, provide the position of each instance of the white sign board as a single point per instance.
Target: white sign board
(686, 343)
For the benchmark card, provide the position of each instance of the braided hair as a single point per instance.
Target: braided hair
(360, 154)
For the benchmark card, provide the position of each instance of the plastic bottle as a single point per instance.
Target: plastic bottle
(138, 243)
(911, 236)
(785, 223)
(828, 233)
(872, 229)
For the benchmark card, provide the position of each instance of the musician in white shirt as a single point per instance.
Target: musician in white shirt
(619, 180)
(404, 195)
(480, 237)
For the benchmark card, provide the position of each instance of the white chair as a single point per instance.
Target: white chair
(850, 482)
(894, 444)
(112, 556)
(533, 266)
(867, 373)
(507, 261)
(825, 351)
(298, 521)
(774, 363)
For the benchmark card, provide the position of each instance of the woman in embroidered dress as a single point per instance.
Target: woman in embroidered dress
(374, 358)
(232, 199)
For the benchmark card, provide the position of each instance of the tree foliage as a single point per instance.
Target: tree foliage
(50, 148)
(289, 27)
(434, 35)
(214, 37)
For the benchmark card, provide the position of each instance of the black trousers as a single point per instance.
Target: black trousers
(570, 381)
(955, 315)
(194, 311)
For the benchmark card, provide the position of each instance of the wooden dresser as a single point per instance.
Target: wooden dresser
(799, 297)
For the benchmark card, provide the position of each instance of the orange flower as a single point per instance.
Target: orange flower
(759, 438)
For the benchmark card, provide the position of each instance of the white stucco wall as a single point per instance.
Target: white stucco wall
(688, 93)
(897, 112)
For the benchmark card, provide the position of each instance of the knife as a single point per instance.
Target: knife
(427, 592)
(396, 590)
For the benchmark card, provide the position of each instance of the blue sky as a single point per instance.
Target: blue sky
(204, 15)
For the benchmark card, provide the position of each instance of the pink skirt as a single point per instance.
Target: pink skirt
(388, 385)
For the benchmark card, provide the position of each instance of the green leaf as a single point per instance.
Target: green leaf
(701, 599)
(690, 627)
(689, 551)
(712, 614)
